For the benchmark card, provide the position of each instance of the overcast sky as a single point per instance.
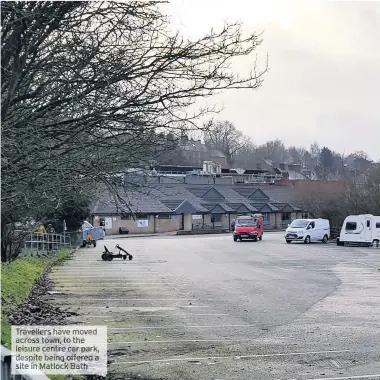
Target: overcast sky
(324, 79)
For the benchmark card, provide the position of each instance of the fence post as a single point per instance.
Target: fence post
(6, 357)
(6, 364)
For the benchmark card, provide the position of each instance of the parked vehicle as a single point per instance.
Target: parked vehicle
(360, 230)
(249, 227)
(91, 234)
(109, 256)
(308, 230)
(123, 230)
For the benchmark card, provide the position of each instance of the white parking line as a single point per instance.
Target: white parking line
(182, 341)
(75, 276)
(102, 270)
(191, 341)
(146, 308)
(153, 285)
(176, 327)
(233, 357)
(111, 280)
(376, 376)
(92, 293)
(123, 291)
(152, 290)
(123, 281)
(93, 265)
(98, 267)
(136, 299)
(162, 315)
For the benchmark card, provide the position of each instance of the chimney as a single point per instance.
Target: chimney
(184, 138)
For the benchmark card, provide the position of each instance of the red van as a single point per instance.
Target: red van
(249, 227)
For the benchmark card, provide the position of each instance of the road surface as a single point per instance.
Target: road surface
(208, 308)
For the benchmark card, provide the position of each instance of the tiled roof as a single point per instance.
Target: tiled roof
(265, 207)
(281, 194)
(237, 206)
(199, 191)
(244, 191)
(286, 207)
(293, 174)
(132, 201)
(187, 207)
(258, 194)
(213, 194)
(280, 206)
(211, 206)
(295, 208)
(166, 198)
(172, 204)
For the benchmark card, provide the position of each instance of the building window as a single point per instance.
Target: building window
(266, 218)
(350, 226)
(305, 215)
(285, 216)
(126, 217)
(164, 216)
(142, 216)
(216, 218)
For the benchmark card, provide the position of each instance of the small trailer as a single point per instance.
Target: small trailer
(91, 234)
(361, 230)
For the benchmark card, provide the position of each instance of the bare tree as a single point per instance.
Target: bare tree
(294, 154)
(87, 88)
(360, 154)
(247, 157)
(274, 150)
(335, 201)
(224, 136)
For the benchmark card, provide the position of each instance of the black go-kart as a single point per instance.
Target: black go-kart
(109, 256)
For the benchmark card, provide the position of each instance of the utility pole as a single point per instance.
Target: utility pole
(64, 231)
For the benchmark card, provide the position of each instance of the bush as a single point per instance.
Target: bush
(17, 281)
(352, 198)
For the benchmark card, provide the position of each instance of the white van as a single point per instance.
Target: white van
(360, 229)
(308, 230)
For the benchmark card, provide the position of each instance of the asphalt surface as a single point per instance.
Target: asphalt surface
(205, 307)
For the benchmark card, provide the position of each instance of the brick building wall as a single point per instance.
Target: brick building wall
(160, 225)
(273, 221)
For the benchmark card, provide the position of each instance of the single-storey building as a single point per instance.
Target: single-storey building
(192, 204)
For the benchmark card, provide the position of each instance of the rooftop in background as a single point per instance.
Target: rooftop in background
(193, 153)
(211, 172)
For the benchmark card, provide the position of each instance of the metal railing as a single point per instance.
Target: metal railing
(236, 178)
(208, 226)
(50, 243)
(6, 366)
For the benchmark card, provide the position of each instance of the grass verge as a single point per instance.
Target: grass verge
(17, 281)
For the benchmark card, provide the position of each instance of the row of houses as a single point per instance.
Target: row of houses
(195, 203)
(193, 153)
